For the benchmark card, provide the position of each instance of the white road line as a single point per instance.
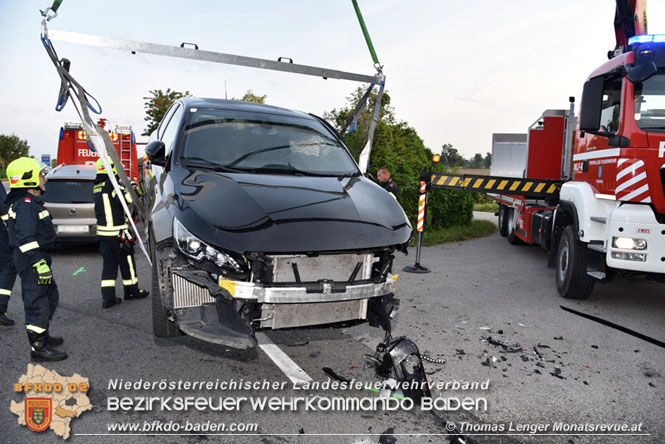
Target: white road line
(282, 360)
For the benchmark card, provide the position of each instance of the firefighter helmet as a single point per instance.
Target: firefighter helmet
(102, 170)
(24, 173)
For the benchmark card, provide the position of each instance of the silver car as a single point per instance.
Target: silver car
(68, 198)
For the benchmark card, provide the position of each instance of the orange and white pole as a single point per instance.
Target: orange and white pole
(420, 222)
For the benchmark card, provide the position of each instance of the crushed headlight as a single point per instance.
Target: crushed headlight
(198, 250)
(628, 243)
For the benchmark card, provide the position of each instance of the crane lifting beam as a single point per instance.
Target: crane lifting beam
(194, 53)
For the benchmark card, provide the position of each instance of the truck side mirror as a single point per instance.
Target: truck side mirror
(155, 151)
(592, 101)
(642, 72)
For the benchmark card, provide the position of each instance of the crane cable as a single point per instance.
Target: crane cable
(97, 136)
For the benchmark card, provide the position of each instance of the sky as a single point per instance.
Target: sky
(457, 72)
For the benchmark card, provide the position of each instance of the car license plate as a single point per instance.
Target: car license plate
(73, 229)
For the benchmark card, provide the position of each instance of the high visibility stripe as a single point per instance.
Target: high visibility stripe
(108, 233)
(132, 273)
(539, 188)
(527, 186)
(551, 189)
(515, 185)
(35, 328)
(108, 283)
(11, 214)
(5, 217)
(491, 183)
(127, 282)
(112, 227)
(128, 198)
(453, 181)
(107, 210)
(43, 214)
(466, 182)
(443, 179)
(29, 246)
(478, 183)
(503, 184)
(5, 292)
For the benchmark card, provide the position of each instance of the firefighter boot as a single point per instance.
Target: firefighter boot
(110, 303)
(136, 294)
(41, 352)
(54, 341)
(5, 320)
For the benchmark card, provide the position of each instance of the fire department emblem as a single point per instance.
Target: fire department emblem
(38, 413)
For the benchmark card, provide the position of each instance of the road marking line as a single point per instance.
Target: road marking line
(282, 360)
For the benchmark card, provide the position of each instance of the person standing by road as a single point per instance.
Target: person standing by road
(386, 182)
(7, 270)
(115, 240)
(31, 238)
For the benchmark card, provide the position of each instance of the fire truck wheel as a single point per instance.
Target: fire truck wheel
(510, 227)
(161, 326)
(503, 220)
(572, 280)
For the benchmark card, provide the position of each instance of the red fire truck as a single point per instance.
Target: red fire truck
(609, 215)
(74, 149)
(591, 191)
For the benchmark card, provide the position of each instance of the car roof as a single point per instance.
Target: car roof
(64, 172)
(236, 105)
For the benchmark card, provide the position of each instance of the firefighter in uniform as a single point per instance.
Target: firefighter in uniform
(7, 270)
(115, 239)
(386, 182)
(31, 237)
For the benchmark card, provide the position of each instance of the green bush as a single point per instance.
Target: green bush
(398, 146)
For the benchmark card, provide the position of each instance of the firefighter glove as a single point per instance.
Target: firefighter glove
(45, 276)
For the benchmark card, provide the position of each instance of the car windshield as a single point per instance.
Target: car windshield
(68, 191)
(650, 103)
(262, 143)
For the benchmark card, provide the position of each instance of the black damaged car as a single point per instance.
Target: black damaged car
(261, 219)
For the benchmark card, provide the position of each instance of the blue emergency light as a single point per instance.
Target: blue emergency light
(647, 38)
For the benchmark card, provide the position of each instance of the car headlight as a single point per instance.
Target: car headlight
(198, 250)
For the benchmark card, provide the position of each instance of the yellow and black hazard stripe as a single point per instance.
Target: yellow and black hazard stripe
(535, 188)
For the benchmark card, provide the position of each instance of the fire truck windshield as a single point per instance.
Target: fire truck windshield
(650, 103)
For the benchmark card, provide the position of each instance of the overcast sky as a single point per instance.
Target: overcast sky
(456, 71)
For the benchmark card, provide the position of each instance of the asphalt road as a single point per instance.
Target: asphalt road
(477, 289)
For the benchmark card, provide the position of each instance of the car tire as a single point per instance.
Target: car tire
(510, 227)
(503, 220)
(572, 280)
(162, 327)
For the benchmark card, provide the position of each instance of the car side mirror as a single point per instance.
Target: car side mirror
(642, 72)
(156, 152)
(592, 102)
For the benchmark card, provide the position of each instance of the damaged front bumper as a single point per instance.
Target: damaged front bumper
(226, 311)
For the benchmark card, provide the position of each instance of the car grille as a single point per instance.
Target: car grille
(335, 267)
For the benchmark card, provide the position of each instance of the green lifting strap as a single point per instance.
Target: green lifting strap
(56, 4)
(365, 33)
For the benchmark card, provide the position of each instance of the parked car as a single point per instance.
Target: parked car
(261, 218)
(68, 198)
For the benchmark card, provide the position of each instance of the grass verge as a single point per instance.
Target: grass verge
(477, 228)
(489, 207)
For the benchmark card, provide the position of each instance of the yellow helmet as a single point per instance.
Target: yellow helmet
(23, 173)
(102, 170)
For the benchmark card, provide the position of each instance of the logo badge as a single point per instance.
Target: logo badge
(38, 413)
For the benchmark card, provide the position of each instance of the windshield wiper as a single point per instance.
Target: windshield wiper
(216, 167)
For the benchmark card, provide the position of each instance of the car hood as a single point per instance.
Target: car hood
(287, 214)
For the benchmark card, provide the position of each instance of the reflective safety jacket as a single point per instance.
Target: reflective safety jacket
(110, 216)
(30, 228)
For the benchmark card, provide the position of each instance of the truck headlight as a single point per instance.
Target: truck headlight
(198, 250)
(628, 243)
